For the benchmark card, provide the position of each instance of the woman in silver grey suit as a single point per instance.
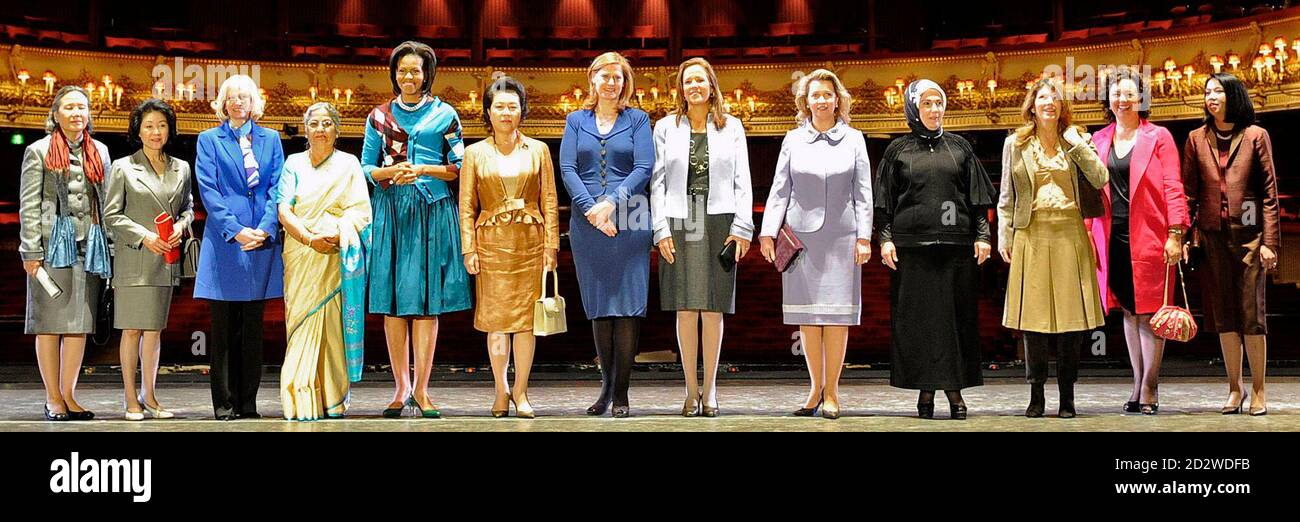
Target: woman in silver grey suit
(141, 188)
(63, 246)
(702, 205)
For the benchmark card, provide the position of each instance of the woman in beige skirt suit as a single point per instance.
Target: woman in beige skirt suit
(1051, 177)
(509, 223)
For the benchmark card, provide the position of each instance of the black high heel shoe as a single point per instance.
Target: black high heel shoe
(1150, 409)
(957, 411)
(622, 412)
(83, 415)
(50, 416)
(1229, 410)
(1132, 407)
(599, 407)
(809, 412)
(925, 405)
(956, 405)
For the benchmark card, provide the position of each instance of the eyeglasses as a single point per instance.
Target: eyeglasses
(320, 124)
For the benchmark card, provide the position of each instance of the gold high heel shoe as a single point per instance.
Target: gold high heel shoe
(497, 414)
(692, 406)
(830, 413)
(526, 411)
(706, 410)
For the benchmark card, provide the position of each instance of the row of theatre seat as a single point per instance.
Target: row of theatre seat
(454, 55)
(21, 34)
(1077, 34)
(44, 36)
(170, 46)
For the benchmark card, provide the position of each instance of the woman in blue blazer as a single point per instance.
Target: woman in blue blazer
(240, 267)
(605, 160)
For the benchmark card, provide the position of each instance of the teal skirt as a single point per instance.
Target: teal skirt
(415, 266)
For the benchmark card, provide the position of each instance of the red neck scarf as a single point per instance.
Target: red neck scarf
(57, 158)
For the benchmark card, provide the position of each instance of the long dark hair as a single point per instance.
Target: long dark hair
(1240, 111)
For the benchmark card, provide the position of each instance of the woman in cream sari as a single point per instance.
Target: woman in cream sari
(325, 209)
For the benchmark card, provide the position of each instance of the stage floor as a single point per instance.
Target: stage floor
(1187, 404)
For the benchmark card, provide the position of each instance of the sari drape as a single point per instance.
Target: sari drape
(322, 302)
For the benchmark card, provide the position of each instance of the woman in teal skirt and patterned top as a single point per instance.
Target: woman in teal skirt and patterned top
(412, 149)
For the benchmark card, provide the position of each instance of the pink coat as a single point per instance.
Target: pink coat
(1156, 203)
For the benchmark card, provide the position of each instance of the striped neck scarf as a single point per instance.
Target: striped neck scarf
(250, 161)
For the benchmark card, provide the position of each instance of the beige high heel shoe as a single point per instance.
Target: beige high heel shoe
(131, 415)
(1262, 409)
(523, 409)
(692, 406)
(497, 414)
(156, 411)
(1231, 409)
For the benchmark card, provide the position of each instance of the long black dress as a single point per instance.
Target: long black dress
(932, 199)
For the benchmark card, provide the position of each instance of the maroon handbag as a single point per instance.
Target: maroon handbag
(788, 248)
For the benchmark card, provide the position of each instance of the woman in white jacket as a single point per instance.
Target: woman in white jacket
(702, 205)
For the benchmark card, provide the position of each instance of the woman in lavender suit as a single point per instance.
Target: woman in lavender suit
(822, 189)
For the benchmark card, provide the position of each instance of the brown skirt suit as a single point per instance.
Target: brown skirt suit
(1234, 206)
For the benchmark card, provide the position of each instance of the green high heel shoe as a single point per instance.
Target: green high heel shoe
(396, 413)
(431, 413)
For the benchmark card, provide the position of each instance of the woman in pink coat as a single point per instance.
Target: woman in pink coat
(1140, 234)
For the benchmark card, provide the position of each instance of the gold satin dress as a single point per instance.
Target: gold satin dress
(509, 215)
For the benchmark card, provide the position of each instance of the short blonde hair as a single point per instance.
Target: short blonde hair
(842, 97)
(241, 81)
(601, 61)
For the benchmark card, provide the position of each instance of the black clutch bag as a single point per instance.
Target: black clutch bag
(728, 256)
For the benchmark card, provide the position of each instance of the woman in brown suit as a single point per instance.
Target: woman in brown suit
(1231, 187)
(509, 225)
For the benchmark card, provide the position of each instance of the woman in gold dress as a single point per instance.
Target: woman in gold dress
(509, 222)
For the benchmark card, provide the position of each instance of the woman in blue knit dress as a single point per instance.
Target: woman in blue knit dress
(412, 149)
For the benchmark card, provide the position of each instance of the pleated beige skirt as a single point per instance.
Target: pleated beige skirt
(1053, 284)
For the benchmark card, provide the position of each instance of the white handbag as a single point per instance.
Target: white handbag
(548, 312)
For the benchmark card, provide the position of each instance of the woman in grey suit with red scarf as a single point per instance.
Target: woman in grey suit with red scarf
(62, 242)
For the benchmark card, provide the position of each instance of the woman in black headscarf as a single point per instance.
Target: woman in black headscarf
(932, 201)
